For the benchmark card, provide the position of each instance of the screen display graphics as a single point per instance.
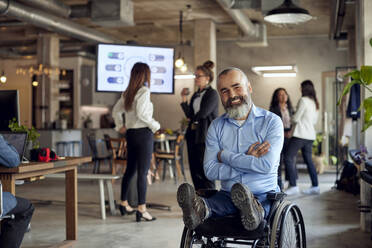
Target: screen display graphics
(115, 62)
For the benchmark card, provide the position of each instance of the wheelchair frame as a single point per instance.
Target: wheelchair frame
(284, 227)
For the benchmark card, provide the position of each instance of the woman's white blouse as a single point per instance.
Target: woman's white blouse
(305, 119)
(139, 116)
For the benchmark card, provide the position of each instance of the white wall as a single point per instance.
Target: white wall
(312, 55)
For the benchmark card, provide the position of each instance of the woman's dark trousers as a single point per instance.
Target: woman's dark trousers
(140, 147)
(13, 230)
(305, 145)
(196, 157)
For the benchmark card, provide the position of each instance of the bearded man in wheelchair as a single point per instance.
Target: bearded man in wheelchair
(242, 151)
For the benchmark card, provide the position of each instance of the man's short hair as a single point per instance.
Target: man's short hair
(228, 69)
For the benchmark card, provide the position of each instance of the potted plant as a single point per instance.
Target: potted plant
(317, 156)
(87, 121)
(32, 134)
(362, 77)
(62, 117)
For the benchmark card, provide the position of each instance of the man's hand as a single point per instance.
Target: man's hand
(219, 156)
(258, 149)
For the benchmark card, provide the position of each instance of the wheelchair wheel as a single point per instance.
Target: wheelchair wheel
(288, 228)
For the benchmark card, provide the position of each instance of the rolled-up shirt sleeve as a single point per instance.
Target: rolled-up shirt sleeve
(9, 156)
(264, 164)
(215, 170)
(144, 110)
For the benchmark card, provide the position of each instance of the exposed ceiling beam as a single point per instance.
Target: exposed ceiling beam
(54, 23)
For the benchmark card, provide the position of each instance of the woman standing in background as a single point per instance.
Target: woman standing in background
(281, 105)
(305, 118)
(201, 111)
(140, 127)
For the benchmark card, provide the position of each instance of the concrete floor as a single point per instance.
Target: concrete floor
(331, 218)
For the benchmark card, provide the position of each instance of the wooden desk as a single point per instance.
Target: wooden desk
(34, 169)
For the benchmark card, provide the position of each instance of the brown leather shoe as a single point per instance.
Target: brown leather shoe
(192, 205)
(251, 211)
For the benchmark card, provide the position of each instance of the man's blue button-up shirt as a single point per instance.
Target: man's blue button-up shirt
(9, 157)
(259, 174)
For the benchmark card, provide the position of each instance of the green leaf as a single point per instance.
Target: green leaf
(347, 89)
(366, 125)
(366, 74)
(370, 42)
(333, 159)
(367, 104)
(354, 74)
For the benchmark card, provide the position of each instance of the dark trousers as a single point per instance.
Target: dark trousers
(305, 145)
(220, 204)
(281, 164)
(13, 230)
(140, 145)
(196, 157)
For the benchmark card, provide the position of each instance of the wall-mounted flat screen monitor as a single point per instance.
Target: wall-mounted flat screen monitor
(9, 108)
(115, 62)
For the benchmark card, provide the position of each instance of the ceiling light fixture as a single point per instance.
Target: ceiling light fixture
(185, 76)
(39, 70)
(287, 74)
(180, 61)
(3, 77)
(35, 83)
(273, 68)
(288, 13)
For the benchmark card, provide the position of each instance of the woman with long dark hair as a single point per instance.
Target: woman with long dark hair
(304, 134)
(140, 127)
(281, 105)
(201, 111)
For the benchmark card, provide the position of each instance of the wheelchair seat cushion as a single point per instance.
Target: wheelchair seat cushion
(230, 227)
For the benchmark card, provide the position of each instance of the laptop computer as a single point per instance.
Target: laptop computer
(18, 140)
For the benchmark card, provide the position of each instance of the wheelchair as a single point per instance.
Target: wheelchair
(283, 228)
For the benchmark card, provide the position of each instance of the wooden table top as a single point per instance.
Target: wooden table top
(34, 166)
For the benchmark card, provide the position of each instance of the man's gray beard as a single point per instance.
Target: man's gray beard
(238, 112)
(241, 111)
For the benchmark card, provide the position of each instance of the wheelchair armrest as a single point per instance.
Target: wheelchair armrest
(276, 196)
(206, 193)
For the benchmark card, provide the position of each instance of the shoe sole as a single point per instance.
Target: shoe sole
(185, 197)
(243, 200)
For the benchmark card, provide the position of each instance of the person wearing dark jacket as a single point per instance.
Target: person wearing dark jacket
(201, 111)
(281, 105)
(13, 229)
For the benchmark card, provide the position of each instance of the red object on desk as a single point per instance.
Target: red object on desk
(46, 155)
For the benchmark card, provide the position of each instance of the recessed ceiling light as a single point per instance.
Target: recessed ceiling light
(288, 74)
(187, 76)
(273, 68)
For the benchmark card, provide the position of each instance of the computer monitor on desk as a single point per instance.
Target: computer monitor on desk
(9, 108)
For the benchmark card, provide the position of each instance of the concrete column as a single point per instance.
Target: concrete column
(367, 60)
(205, 46)
(47, 93)
(364, 52)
